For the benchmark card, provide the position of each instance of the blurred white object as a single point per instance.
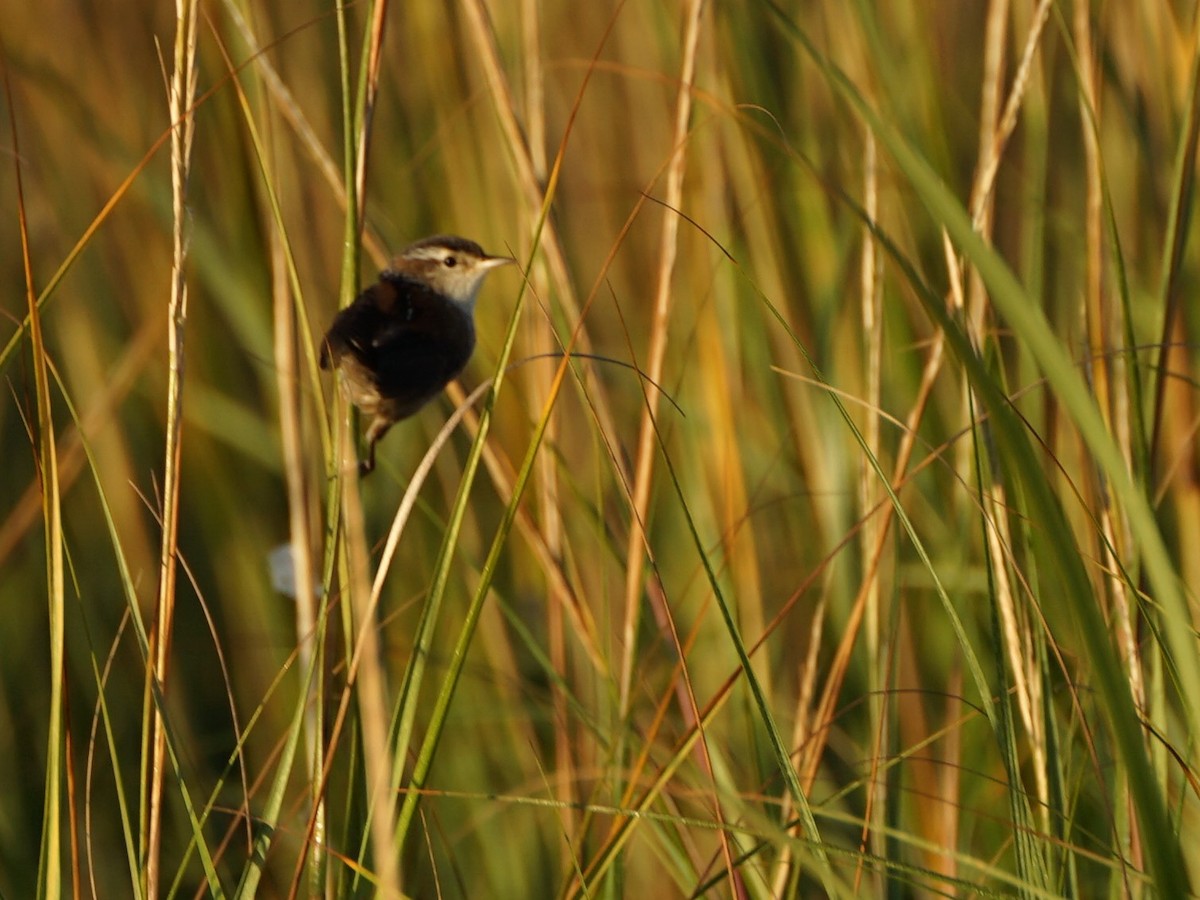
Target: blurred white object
(282, 563)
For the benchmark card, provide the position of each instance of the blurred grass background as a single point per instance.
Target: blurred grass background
(938, 491)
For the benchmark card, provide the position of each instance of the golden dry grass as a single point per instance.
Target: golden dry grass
(850, 550)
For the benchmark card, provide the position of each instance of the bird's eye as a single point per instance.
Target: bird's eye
(450, 262)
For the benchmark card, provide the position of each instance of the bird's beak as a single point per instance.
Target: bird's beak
(495, 262)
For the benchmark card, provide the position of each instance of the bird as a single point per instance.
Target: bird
(407, 336)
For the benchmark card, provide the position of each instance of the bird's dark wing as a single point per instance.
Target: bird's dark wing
(352, 330)
(406, 339)
(419, 349)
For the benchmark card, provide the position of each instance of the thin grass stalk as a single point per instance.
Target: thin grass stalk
(729, 492)
(370, 689)
(985, 181)
(309, 641)
(291, 113)
(132, 614)
(283, 752)
(399, 521)
(623, 827)
(547, 486)
(158, 701)
(252, 873)
(372, 678)
(579, 882)
(180, 98)
(1169, 296)
(871, 305)
(50, 857)
(89, 233)
(997, 717)
(337, 553)
(101, 679)
(310, 628)
(1032, 856)
(285, 101)
(644, 453)
(1096, 313)
(636, 805)
(267, 820)
(283, 758)
(1173, 407)
(364, 112)
(535, 87)
(1092, 313)
(409, 501)
(823, 712)
(1014, 636)
(349, 186)
(102, 714)
(996, 128)
(614, 750)
(437, 718)
(251, 876)
(429, 617)
(989, 146)
(780, 751)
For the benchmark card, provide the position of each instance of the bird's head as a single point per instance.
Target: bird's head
(451, 265)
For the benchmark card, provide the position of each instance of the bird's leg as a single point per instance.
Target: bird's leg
(378, 428)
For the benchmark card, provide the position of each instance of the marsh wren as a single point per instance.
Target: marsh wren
(408, 335)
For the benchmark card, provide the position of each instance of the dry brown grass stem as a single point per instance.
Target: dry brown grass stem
(646, 450)
(371, 675)
(370, 90)
(370, 679)
(1099, 312)
(1018, 638)
(180, 104)
(981, 193)
(300, 503)
(550, 540)
(871, 303)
